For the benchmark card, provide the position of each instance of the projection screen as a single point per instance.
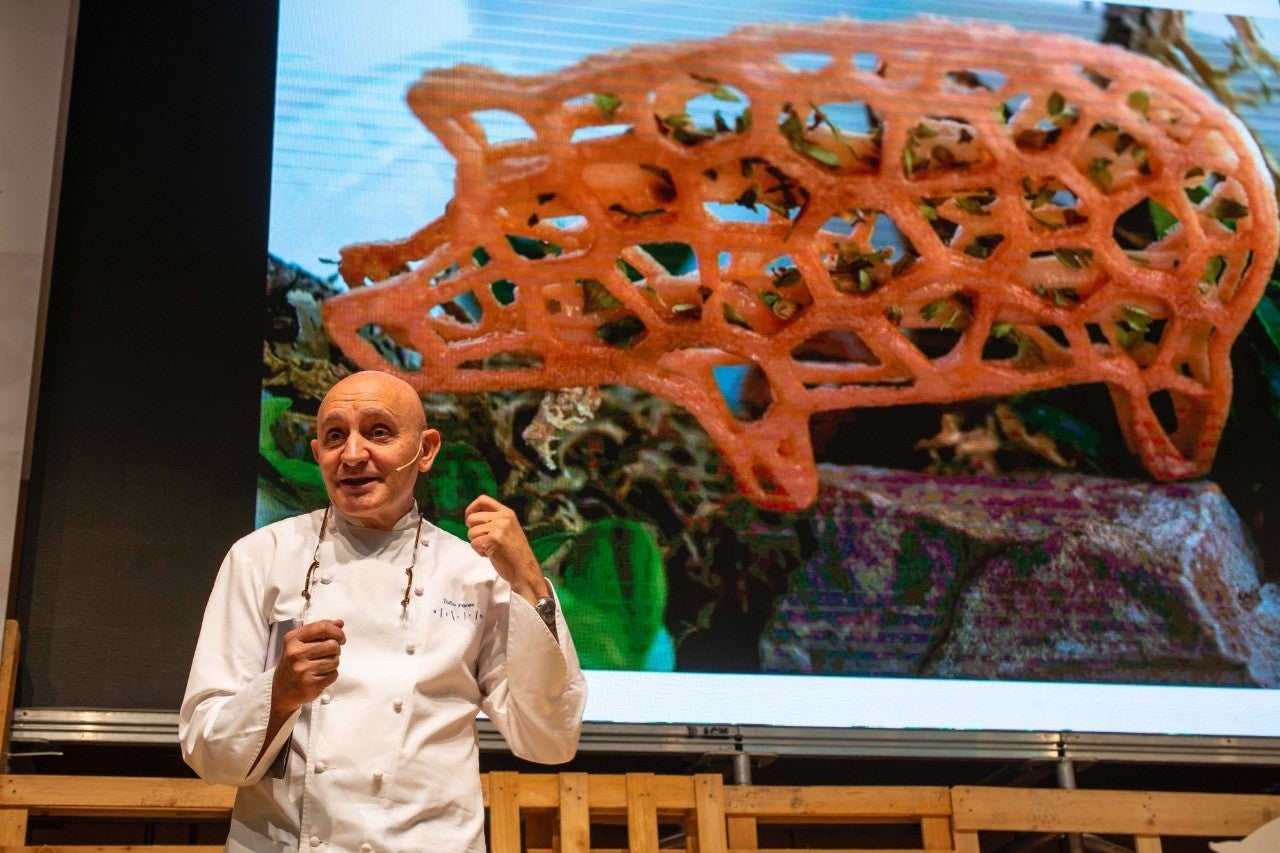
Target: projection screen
(805, 339)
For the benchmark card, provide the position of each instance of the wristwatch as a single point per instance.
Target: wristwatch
(546, 608)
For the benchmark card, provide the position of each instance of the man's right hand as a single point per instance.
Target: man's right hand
(307, 666)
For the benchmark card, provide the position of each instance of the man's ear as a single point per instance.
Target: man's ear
(431, 442)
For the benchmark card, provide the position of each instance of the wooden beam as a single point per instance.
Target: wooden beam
(504, 812)
(130, 848)
(116, 796)
(642, 813)
(1146, 813)
(708, 815)
(12, 642)
(13, 826)
(935, 833)
(575, 813)
(742, 833)
(815, 803)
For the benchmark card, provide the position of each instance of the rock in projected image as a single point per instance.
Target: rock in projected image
(865, 214)
(1057, 578)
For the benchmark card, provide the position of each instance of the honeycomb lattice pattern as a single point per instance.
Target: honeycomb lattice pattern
(958, 211)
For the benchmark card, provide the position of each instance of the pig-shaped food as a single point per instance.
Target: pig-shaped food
(863, 214)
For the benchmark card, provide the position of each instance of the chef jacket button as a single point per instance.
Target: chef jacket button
(326, 578)
(377, 775)
(325, 698)
(410, 647)
(321, 766)
(366, 848)
(315, 841)
(417, 590)
(397, 703)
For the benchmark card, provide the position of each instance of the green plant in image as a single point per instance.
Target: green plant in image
(301, 475)
(609, 575)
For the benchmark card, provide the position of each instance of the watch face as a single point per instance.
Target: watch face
(546, 608)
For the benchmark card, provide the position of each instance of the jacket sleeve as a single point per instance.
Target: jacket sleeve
(223, 721)
(532, 685)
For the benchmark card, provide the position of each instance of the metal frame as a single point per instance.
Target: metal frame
(51, 726)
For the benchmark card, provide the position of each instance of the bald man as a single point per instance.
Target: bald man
(344, 653)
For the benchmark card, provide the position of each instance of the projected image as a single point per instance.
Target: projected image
(832, 342)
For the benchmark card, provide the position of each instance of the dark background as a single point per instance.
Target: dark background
(144, 462)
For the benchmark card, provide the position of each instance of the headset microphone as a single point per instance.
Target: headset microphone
(411, 461)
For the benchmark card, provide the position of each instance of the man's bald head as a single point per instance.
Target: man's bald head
(376, 385)
(371, 443)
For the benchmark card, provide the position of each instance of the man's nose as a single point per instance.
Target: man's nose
(354, 450)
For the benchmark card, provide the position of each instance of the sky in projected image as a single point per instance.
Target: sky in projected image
(352, 164)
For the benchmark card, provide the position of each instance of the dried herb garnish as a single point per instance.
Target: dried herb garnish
(909, 256)
(1139, 102)
(787, 277)
(683, 129)
(983, 245)
(1029, 353)
(854, 270)
(793, 128)
(1132, 326)
(911, 161)
(543, 198)
(1100, 173)
(607, 104)
(1061, 296)
(782, 307)
(1074, 258)
(636, 214)
(1229, 209)
(953, 313)
(621, 333)
(1213, 269)
(734, 316)
(596, 297)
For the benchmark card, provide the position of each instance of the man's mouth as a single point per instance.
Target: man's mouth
(357, 482)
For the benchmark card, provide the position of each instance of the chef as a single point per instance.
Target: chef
(345, 653)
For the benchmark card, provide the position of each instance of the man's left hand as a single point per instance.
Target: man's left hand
(495, 532)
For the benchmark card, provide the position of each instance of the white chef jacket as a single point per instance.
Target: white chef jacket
(386, 758)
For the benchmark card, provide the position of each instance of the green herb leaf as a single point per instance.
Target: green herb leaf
(621, 333)
(596, 297)
(607, 104)
(636, 214)
(734, 316)
(1074, 259)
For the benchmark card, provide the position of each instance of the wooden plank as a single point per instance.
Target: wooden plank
(642, 813)
(1146, 844)
(966, 841)
(833, 850)
(935, 833)
(12, 642)
(575, 813)
(1111, 812)
(130, 848)
(504, 812)
(742, 833)
(708, 805)
(13, 826)
(817, 802)
(539, 791)
(116, 796)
